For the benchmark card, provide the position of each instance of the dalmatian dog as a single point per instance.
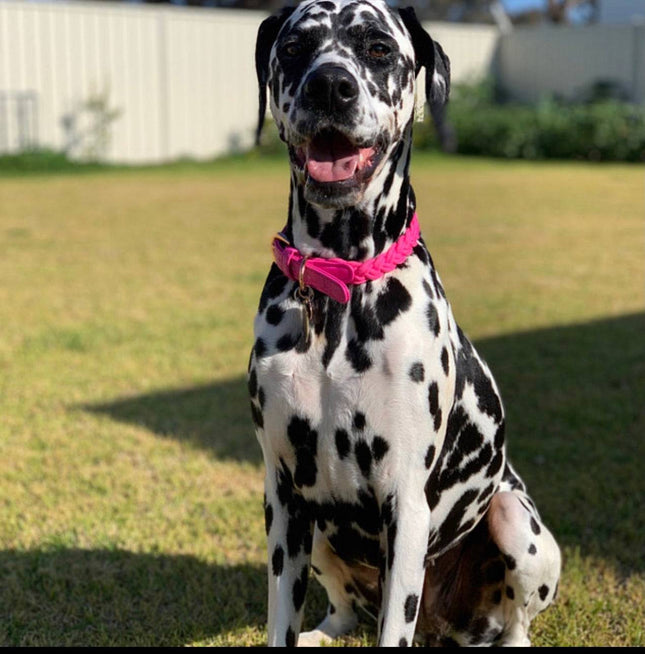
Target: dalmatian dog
(382, 429)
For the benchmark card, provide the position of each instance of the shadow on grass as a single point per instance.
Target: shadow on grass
(216, 417)
(118, 598)
(575, 400)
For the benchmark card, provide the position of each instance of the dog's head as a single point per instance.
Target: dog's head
(341, 76)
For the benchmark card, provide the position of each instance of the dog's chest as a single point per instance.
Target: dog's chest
(338, 412)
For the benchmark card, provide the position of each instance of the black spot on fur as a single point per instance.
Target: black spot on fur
(357, 356)
(495, 464)
(274, 285)
(495, 572)
(333, 319)
(410, 607)
(420, 251)
(268, 518)
(290, 638)
(387, 510)
(365, 320)
(297, 535)
(359, 420)
(274, 314)
(363, 457)
(260, 348)
(252, 383)
(277, 560)
(379, 448)
(332, 609)
(300, 588)
(486, 493)
(430, 456)
(285, 342)
(313, 221)
(306, 468)
(437, 420)
(433, 319)
(499, 436)
(342, 443)
(470, 439)
(470, 369)
(299, 431)
(305, 442)
(433, 398)
(417, 372)
(497, 596)
(532, 549)
(535, 527)
(445, 361)
(543, 590)
(511, 564)
(510, 593)
(392, 301)
(403, 642)
(350, 544)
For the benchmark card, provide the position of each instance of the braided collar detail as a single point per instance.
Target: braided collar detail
(334, 276)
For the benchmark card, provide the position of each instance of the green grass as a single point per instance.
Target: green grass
(130, 480)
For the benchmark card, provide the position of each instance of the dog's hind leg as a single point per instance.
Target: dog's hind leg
(488, 588)
(532, 559)
(336, 578)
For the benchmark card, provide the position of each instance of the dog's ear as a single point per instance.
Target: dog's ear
(267, 34)
(430, 55)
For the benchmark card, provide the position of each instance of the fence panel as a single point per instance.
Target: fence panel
(129, 84)
(146, 83)
(533, 62)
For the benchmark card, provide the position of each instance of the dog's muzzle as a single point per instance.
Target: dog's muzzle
(335, 164)
(330, 91)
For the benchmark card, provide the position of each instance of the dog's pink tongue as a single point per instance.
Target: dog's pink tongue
(331, 158)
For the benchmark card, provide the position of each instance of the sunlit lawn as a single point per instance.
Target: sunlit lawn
(130, 480)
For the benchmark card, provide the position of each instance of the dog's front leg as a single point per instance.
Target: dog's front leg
(407, 526)
(289, 535)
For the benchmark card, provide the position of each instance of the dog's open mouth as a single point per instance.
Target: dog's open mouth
(330, 157)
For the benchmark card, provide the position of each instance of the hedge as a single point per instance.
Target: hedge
(601, 129)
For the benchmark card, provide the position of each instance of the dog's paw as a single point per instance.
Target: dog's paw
(315, 638)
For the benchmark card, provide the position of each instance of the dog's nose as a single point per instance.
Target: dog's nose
(331, 88)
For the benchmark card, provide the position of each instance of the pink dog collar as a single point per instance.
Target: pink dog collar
(333, 276)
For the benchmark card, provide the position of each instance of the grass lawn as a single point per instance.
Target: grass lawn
(130, 479)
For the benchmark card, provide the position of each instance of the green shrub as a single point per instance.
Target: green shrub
(41, 160)
(601, 130)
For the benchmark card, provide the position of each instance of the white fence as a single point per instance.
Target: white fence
(147, 83)
(177, 82)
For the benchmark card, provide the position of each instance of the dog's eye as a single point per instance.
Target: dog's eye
(292, 49)
(378, 50)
